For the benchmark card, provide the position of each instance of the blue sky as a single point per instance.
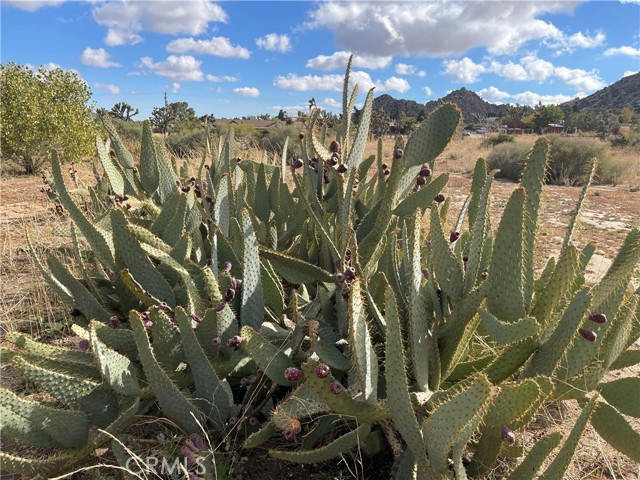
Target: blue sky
(238, 58)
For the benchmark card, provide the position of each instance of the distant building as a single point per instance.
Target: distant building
(553, 128)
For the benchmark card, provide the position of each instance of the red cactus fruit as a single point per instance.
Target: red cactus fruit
(323, 370)
(588, 335)
(293, 374)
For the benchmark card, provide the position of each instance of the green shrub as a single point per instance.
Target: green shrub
(510, 159)
(273, 140)
(501, 138)
(187, 142)
(571, 160)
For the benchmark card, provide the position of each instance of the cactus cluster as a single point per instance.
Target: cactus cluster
(305, 298)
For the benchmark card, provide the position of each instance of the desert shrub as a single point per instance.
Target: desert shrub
(187, 142)
(273, 140)
(130, 132)
(571, 161)
(509, 158)
(501, 138)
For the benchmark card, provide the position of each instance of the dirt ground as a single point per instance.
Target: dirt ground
(609, 213)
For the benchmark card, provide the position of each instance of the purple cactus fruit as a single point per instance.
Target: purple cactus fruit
(465, 259)
(385, 166)
(290, 435)
(347, 254)
(148, 324)
(340, 278)
(164, 305)
(246, 381)
(420, 181)
(598, 318)
(216, 341)
(439, 198)
(188, 455)
(75, 312)
(350, 272)
(229, 295)
(508, 437)
(334, 147)
(195, 318)
(425, 170)
(336, 388)
(207, 166)
(333, 161)
(226, 266)
(398, 153)
(454, 236)
(297, 163)
(234, 342)
(588, 335)
(386, 172)
(345, 291)
(485, 274)
(425, 272)
(323, 370)
(253, 421)
(233, 420)
(114, 322)
(219, 306)
(301, 136)
(293, 374)
(145, 315)
(342, 168)
(186, 189)
(83, 345)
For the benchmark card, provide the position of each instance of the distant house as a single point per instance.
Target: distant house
(516, 127)
(553, 128)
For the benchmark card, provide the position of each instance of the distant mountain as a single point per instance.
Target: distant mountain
(624, 93)
(473, 107)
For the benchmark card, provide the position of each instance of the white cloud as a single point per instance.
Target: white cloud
(428, 92)
(628, 73)
(532, 98)
(175, 87)
(217, 46)
(463, 71)
(109, 87)
(493, 95)
(274, 42)
(247, 91)
(529, 68)
(125, 20)
(569, 43)
(623, 50)
(309, 82)
(338, 61)
(335, 82)
(97, 57)
(332, 102)
(33, 5)
(404, 69)
(580, 79)
(397, 84)
(436, 28)
(221, 78)
(177, 68)
(115, 38)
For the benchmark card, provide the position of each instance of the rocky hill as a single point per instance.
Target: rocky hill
(624, 93)
(473, 107)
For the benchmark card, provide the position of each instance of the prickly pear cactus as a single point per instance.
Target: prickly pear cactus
(326, 294)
